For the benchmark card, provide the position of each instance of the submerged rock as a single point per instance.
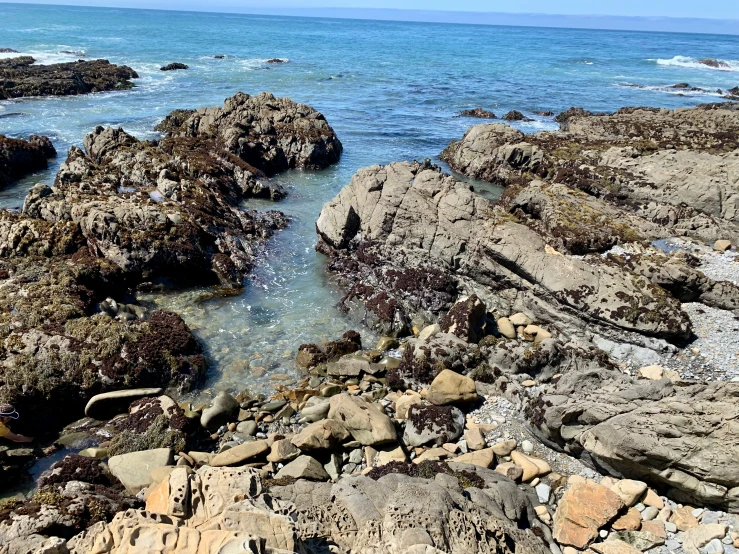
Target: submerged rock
(173, 66)
(22, 77)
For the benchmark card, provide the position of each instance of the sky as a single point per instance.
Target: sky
(715, 15)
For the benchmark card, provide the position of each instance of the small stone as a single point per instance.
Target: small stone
(698, 512)
(304, 467)
(528, 383)
(475, 439)
(670, 527)
(510, 470)
(535, 481)
(483, 458)
(603, 533)
(714, 546)
(520, 319)
(722, 245)
(629, 490)
(238, 455)
(223, 410)
(248, 428)
(387, 343)
(536, 333)
(527, 446)
(649, 513)
(532, 467)
(655, 527)
(506, 328)
(404, 403)
(582, 511)
(543, 491)
(450, 387)
(630, 521)
(684, 518)
(504, 448)
(429, 332)
(651, 372)
(652, 499)
(282, 451)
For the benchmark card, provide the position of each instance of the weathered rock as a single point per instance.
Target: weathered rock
(316, 408)
(465, 320)
(510, 470)
(303, 467)
(20, 157)
(481, 458)
(450, 387)
(700, 536)
(475, 439)
(531, 466)
(648, 430)
(133, 469)
(478, 113)
(435, 425)
(582, 511)
(365, 421)
(404, 404)
(22, 77)
(506, 328)
(151, 423)
(630, 491)
(109, 404)
(282, 451)
(322, 435)
(630, 521)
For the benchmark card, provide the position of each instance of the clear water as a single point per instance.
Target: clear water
(390, 89)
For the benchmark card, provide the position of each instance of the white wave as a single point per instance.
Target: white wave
(692, 63)
(671, 89)
(46, 57)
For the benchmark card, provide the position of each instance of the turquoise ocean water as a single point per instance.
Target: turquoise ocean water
(391, 90)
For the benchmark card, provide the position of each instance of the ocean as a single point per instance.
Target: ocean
(391, 90)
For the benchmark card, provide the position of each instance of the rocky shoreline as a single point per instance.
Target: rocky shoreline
(523, 397)
(21, 76)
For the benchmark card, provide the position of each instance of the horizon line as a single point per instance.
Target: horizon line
(649, 23)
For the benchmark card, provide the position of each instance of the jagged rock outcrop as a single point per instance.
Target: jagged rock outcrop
(20, 157)
(677, 169)
(23, 77)
(402, 217)
(271, 134)
(680, 438)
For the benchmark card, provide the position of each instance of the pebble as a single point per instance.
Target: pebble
(670, 527)
(527, 446)
(650, 513)
(715, 546)
(698, 512)
(672, 544)
(603, 533)
(543, 491)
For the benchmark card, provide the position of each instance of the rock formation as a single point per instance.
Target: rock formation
(19, 157)
(23, 77)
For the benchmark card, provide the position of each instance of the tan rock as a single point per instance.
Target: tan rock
(366, 422)
(532, 467)
(614, 547)
(570, 550)
(520, 319)
(475, 439)
(506, 328)
(722, 245)
(655, 527)
(700, 536)
(504, 448)
(510, 470)
(630, 521)
(304, 467)
(652, 372)
(429, 331)
(391, 455)
(404, 403)
(609, 482)
(321, 435)
(630, 490)
(283, 450)
(582, 511)
(536, 333)
(432, 454)
(683, 518)
(450, 387)
(653, 499)
(159, 474)
(482, 458)
(241, 454)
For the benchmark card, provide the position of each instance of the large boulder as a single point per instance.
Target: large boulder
(134, 468)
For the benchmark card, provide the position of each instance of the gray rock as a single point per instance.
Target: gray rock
(433, 425)
(224, 410)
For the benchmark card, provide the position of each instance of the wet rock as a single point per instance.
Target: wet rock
(714, 63)
(478, 113)
(514, 115)
(223, 410)
(21, 77)
(173, 66)
(310, 355)
(19, 157)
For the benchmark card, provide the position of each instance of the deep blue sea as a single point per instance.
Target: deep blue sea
(391, 90)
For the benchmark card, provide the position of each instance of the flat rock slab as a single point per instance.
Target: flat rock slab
(109, 404)
(134, 469)
(240, 454)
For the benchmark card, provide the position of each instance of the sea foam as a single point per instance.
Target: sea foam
(693, 63)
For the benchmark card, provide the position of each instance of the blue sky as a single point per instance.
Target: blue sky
(713, 9)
